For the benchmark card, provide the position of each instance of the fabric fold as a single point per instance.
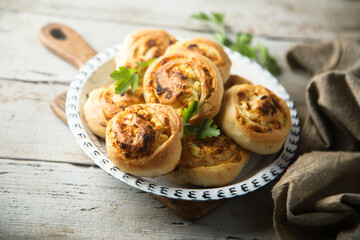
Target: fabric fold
(318, 197)
(314, 198)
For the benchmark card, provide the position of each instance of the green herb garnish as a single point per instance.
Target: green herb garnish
(188, 113)
(242, 44)
(201, 16)
(206, 129)
(267, 61)
(126, 77)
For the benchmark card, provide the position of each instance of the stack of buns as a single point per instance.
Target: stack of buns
(143, 130)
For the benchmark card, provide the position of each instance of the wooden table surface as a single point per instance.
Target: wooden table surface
(49, 189)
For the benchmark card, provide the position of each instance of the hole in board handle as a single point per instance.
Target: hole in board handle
(58, 34)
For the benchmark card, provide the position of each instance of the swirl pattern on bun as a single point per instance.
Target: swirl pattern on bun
(255, 118)
(103, 104)
(145, 140)
(214, 161)
(179, 79)
(143, 45)
(207, 48)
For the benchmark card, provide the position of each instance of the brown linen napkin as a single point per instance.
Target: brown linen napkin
(333, 94)
(319, 195)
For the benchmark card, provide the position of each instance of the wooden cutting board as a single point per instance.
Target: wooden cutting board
(70, 46)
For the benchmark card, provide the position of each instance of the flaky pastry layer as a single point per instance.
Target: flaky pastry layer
(179, 79)
(214, 161)
(143, 45)
(145, 140)
(103, 104)
(207, 48)
(255, 118)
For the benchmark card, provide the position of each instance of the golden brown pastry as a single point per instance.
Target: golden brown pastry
(143, 45)
(210, 162)
(235, 80)
(145, 140)
(255, 118)
(181, 78)
(103, 104)
(207, 48)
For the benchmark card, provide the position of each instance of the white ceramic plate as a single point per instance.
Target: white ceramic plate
(258, 172)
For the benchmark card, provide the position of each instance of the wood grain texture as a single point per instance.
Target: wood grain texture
(41, 200)
(29, 129)
(24, 51)
(306, 19)
(17, 38)
(58, 106)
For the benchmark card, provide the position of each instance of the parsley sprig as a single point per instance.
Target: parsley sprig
(242, 44)
(206, 129)
(129, 77)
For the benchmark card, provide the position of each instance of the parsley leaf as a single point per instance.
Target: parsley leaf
(242, 44)
(145, 64)
(121, 74)
(191, 129)
(201, 16)
(134, 81)
(208, 129)
(122, 77)
(221, 38)
(219, 18)
(243, 39)
(267, 61)
(189, 112)
(203, 130)
(126, 77)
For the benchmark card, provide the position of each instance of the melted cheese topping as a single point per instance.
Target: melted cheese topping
(209, 151)
(178, 80)
(114, 103)
(259, 109)
(139, 131)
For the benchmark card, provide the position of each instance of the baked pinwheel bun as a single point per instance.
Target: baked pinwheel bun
(142, 46)
(145, 140)
(235, 80)
(210, 162)
(103, 104)
(179, 79)
(207, 48)
(255, 118)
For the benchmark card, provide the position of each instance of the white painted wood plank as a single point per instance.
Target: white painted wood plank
(60, 201)
(25, 58)
(29, 129)
(276, 18)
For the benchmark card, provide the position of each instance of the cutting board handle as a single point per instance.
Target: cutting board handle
(66, 43)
